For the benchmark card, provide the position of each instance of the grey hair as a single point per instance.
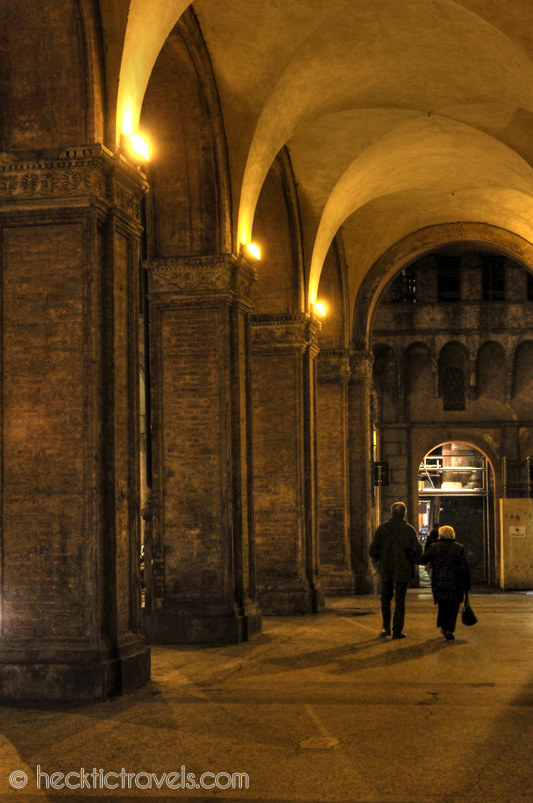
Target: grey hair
(399, 508)
(446, 532)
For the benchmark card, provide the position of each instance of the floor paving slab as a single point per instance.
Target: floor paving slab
(317, 708)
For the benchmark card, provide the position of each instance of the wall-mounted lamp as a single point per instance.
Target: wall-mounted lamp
(137, 148)
(252, 250)
(140, 146)
(136, 145)
(320, 308)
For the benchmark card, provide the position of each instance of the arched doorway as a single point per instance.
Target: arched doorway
(455, 487)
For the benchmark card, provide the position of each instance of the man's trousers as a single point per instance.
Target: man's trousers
(390, 589)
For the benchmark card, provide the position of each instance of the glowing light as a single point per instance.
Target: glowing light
(127, 124)
(140, 146)
(135, 144)
(320, 308)
(253, 250)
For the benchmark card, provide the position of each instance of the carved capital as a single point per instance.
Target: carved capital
(89, 173)
(297, 331)
(334, 365)
(223, 274)
(361, 365)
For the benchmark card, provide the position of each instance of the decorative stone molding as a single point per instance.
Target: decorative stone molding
(333, 365)
(225, 274)
(89, 172)
(299, 330)
(361, 365)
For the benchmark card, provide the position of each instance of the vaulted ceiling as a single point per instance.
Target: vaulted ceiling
(397, 116)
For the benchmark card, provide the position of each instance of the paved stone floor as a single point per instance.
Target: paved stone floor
(316, 709)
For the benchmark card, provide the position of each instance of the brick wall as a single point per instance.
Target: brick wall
(195, 516)
(278, 465)
(333, 512)
(45, 453)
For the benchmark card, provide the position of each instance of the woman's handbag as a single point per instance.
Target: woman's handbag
(468, 617)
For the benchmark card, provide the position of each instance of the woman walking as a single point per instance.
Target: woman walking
(450, 578)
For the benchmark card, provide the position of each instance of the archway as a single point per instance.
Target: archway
(453, 341)
(415, 246)
(456, 487)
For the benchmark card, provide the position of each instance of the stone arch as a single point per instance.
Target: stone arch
(491, 371)
(429, 439)
(49, 102)
(333, 291)
(489, 444)
(418, 244)
(145, 33)
(350, 66)
(279, 286)
(188, 171)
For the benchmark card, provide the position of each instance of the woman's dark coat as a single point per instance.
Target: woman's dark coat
(431, 539)
(450, 576)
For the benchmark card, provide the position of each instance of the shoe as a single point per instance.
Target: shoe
(449, 636)
(443, 631)
(384, 633)
(398, 635)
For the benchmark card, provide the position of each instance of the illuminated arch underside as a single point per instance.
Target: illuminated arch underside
(417, 114)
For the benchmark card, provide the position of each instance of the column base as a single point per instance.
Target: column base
(318, 598)
(71, 679)
(364, 583)
(290, 601)
(337, 583)
(166, 626)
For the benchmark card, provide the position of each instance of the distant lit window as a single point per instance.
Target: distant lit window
(453, 388)
(404, 286)
(448, 279)
(494, 279)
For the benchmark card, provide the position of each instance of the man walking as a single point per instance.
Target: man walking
(395, 547)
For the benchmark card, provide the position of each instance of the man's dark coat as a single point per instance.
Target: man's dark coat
(395, 547)
(450, 576)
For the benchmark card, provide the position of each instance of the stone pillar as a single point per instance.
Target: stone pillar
(471, 389)
(203, 540)
(509, 374)
(436, 377)
(396, 451)
(361, 476)
(333, 475)
(285, 485)
(70, 588)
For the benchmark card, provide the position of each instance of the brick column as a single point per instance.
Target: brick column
(203, 542)
(284, 416)
(70, 590)
(333, 476)
(361, 479)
